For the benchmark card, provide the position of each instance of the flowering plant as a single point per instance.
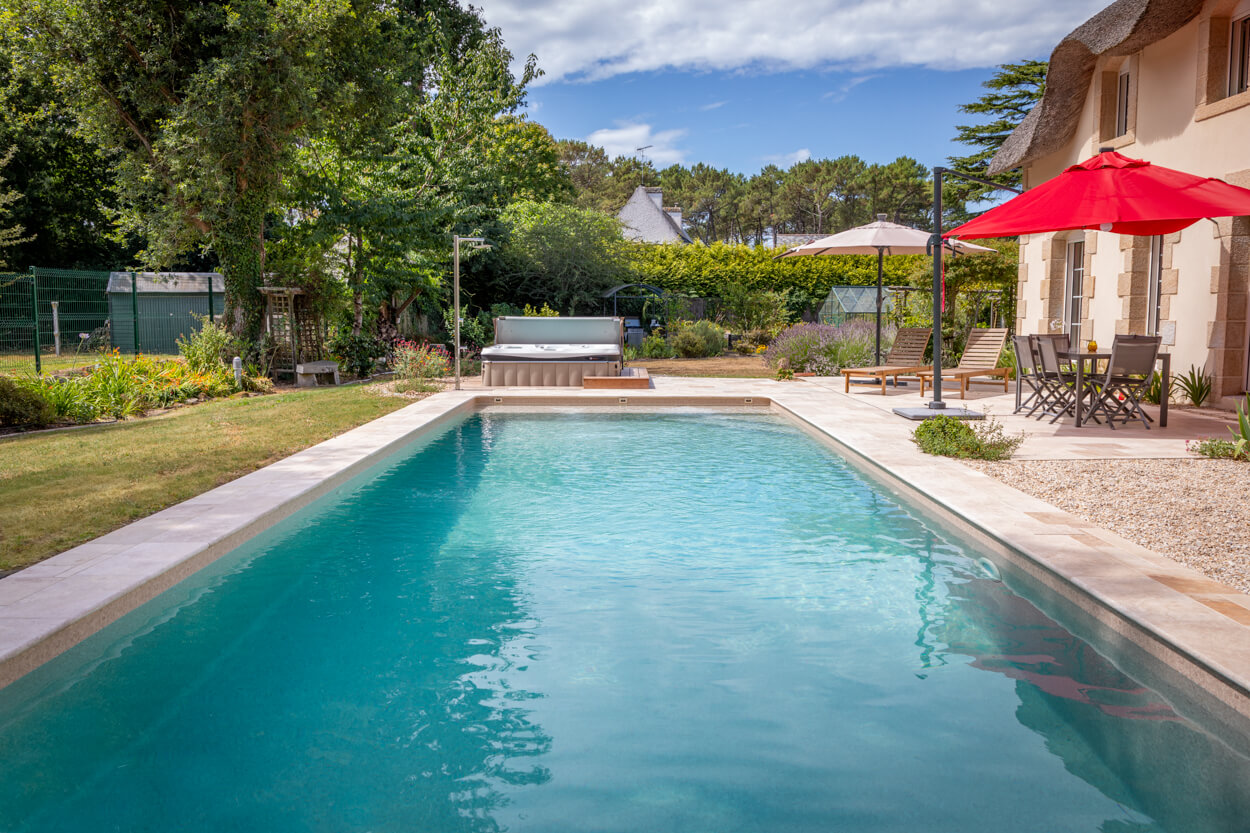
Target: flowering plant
(419, 361)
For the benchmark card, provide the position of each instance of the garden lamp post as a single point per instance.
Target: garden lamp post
(475, 243)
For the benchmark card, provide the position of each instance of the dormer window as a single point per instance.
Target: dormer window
(1117, 120)
(1239, 56)
(1122, 102)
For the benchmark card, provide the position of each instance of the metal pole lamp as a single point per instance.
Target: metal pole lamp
(475, 243)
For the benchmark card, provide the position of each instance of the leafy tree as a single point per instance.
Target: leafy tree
(1013, 91)
(204, 104)
(383, 204)
(65, 181)
(558, 254)
(12, 235)
(601, 183)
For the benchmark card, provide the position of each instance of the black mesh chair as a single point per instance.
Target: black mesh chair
(1058, 394)
(1118, 394)
(1026, 376)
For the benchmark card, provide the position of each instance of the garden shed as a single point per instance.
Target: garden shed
(845, 303)
(164, 304)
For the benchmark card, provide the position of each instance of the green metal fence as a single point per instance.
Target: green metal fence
(56, 319)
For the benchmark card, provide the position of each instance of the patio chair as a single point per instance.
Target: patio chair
(905, 358)
(1058, 395)
(1117, 395)
(980, 359)
(1026, 376)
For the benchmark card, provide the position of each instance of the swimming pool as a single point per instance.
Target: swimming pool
(577, 622)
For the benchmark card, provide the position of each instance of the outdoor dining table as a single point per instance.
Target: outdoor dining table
(1083, 358)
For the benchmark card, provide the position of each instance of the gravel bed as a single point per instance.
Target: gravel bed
(1194, 511)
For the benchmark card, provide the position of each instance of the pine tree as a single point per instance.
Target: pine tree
(1014, 90)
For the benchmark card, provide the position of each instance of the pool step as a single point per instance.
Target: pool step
(631, 377)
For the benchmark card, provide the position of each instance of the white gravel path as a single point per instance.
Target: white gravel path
(1195, 511)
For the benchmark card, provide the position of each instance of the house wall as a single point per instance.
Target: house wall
(1178, 119)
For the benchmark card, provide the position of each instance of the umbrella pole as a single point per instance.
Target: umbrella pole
(937, 404)
(880, 268)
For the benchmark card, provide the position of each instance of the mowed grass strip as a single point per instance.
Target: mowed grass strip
(61, 489)
(727, 366)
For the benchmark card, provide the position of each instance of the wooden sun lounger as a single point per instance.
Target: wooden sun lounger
(980, 359)
(906, 358)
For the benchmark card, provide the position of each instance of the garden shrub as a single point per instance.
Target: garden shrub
(946, 436)
(656, 347)
(22, 406)
(698, 339)
(824, 349)
(356, 354)
(209, 349)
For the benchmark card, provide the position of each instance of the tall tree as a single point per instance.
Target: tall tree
(10, 236)
(204, 104)
(1013, 91)
(65, 181)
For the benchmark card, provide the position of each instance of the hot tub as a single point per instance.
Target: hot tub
(552, 352)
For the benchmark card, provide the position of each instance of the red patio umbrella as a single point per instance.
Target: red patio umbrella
(1112, 193)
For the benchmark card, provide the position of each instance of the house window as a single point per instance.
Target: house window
(1239, 56)
(1074, 297)
(1121, 103)
(1153, 284)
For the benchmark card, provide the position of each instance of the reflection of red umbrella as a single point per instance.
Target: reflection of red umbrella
(1112, 193)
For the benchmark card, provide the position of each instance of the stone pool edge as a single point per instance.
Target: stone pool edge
(1159, 605)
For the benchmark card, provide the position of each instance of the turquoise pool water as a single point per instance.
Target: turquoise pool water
(603, 623)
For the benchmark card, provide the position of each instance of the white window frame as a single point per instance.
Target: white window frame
(1074, 289)
(1239, 55)
(1122, 87)
(1154, 285)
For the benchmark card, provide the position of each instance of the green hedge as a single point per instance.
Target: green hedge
(705, 270)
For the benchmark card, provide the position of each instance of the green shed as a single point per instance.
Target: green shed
(164, 303)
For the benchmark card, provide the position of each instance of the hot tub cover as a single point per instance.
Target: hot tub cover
(551, 352)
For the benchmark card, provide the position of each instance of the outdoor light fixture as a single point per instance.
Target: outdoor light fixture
(475, 243)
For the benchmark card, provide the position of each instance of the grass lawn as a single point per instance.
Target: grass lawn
(61, 489)
(728, 365)
(18, 364)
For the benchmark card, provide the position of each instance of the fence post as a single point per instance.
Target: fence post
(210, 298)
(34, 311)
(56, 328)
(134, 308)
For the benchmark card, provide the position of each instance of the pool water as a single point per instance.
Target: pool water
(593, 622)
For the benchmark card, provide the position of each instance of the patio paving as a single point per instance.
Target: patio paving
(1062, 440)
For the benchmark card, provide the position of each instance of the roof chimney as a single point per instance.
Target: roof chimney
(674, 214)
(657, 197)
(881, 218)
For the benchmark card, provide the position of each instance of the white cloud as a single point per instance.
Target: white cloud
(610, 37)
(785, 160)
(627, 139)
(715, 105)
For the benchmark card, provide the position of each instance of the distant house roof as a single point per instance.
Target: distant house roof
(1123, 28)
(645, 219)
(172, 282)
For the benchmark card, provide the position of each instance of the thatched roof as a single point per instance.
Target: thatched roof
(1123, 28)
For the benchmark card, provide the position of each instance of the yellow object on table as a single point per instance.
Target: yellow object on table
(1092, 347)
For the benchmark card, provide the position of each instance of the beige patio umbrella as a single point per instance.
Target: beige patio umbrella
(880, 238)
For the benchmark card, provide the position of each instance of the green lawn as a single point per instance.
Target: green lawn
(61, 489)
(18, 364)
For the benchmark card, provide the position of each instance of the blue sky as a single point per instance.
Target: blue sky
(744, 84)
